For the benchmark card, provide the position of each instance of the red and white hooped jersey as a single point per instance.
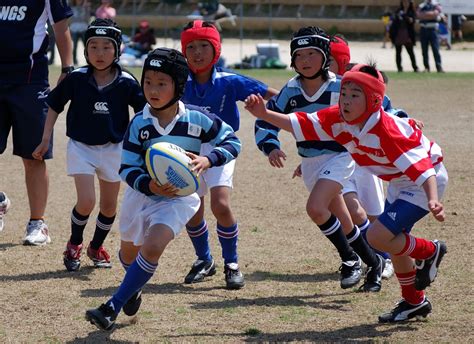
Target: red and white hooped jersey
(388, 146)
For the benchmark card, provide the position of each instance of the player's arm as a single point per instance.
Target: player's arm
(64, 43)
(430, 187)
(256, 106)
(271, 92)
(42, 148)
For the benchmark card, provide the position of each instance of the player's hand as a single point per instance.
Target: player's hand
(437, 209)
(200, 163)
(167, 190)
(297, 172)
(255, 104)
(276, 158)
(41, 150)
(419, 123)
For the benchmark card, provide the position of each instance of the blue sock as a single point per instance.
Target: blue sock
(363, 230)
(200, 238)
(228, 238)
(138, 274)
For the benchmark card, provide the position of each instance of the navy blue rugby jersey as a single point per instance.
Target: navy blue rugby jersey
(24, 39)
(96, 116)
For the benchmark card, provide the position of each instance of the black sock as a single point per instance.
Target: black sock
(333, 231)
(360, 246)
(78, 223)
(102, 229)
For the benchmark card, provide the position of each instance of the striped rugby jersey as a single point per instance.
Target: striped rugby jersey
(293, 98)
(389, 147)
(189, 129)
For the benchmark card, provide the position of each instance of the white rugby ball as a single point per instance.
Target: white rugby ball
(168, 163)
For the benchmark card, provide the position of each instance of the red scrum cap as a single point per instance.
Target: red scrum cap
(202, 32)
(341, 53)
(373, 88)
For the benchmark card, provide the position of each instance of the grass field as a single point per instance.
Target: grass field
(292, 291)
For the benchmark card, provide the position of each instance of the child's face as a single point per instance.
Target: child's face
(308, 61)
(333, 66)
(101, 52)
(199, 54)
(158, 88)
(352, 101)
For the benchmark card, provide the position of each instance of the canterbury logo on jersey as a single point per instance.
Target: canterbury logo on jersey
(101, 107)
(13, 13)
(155, 63)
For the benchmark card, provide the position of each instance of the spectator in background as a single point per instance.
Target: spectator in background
(105, 10)
(402, 32)
(457, 22)
(429, 15)
(443, 32)
(387, 22)
(144, 39)
(78, 24)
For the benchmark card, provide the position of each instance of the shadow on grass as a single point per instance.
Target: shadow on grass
(101, 336)
(258, 276)
(6, 245)
(82, 274)
(365, 332)
(316, 301)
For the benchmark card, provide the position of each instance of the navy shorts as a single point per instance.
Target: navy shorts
(23, 109)
(400, 216)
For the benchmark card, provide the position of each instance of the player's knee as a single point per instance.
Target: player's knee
(85, 205)
(316, 212)
(221, 208)
(108, 209)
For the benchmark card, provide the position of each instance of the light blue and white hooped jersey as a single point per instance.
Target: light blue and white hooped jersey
(24, 38)
(292, 98)
(189, 129)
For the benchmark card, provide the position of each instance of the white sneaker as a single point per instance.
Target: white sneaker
(388, 271)
(36, 233)
(4, 206)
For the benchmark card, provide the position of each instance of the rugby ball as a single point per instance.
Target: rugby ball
(168, 163)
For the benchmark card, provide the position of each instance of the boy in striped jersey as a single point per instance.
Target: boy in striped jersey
(151, 214)
(325, 166)
(395, 150)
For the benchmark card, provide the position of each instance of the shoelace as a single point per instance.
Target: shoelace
(34, 227)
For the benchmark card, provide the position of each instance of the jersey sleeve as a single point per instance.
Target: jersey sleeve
(132, 168)
(245, 86)
(220, 135)
(61, 94)
(266, 134)
(137, 99)
(309, 127)
(58, 10)
(407, 148)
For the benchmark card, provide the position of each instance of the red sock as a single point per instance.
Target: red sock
(407, 283)
(417, 248)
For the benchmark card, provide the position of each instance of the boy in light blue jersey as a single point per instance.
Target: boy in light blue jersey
(217, 91)
(326, 166)
(152, 215)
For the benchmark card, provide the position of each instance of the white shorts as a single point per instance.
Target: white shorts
(103, 160)
(215, 176)
(369, 190)
(139, 212)
(405, 189)
(337, 167)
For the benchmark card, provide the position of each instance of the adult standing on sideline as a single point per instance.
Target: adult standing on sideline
(105, 10)
(429, 15)
(81, 10)
(24, 87)
(402, 32)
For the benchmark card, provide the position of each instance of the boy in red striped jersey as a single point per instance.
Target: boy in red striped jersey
(395, 150)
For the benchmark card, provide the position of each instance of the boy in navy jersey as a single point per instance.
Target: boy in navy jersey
(395, 150)
(97, 119)
(151, 214)
(325, 166)
(23, 88)
(217, 91)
